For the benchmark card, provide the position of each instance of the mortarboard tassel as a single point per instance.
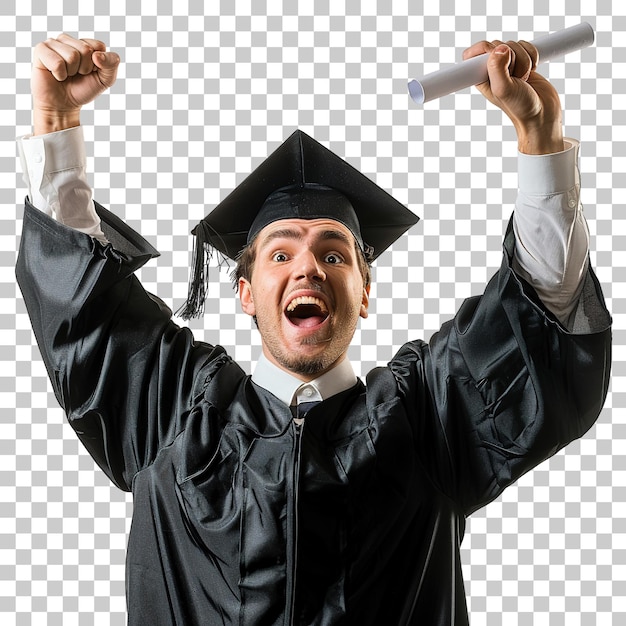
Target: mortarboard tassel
(199, 273)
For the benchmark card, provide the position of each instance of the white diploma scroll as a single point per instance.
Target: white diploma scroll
(474, 71)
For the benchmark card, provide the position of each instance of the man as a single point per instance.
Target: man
(248, 508)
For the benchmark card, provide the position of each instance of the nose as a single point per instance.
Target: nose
(308, 266)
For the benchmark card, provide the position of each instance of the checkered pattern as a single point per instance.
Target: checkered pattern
(205, 92)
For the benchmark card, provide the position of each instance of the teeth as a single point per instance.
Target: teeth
(307, 300)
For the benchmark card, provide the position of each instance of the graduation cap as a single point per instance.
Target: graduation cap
(300, 179)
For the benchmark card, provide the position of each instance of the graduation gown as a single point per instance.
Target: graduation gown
(356, 518)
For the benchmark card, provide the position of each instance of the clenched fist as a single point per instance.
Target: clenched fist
(67, 74)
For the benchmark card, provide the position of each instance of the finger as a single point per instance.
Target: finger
(95, 44)
(477, 49)
(84, 49)
(522, 63)
(532, 51)
(107, 64)
(69, 54)
(498, 69)
(49, 55)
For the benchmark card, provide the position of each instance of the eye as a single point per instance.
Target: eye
(279, 257)
(333, 258)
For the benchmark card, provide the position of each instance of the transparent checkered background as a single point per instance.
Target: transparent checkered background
(205, 92)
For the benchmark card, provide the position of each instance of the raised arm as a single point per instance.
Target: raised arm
(552, 239)
(508, 385)
(67, 73)
(124, 373)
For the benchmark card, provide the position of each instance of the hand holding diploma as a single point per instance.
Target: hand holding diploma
(527, 98)
(474, 71)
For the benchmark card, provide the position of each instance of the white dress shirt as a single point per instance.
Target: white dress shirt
(292, 390)
(551, 233)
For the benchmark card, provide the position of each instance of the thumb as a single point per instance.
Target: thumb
(498, 69)
(106, 64)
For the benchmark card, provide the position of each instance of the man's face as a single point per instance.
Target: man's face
(307, 293)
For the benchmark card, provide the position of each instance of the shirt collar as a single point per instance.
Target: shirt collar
(292, 390)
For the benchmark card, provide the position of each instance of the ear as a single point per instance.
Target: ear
(245, 297)
(365, 302)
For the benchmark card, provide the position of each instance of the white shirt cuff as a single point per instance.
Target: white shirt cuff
(54, 167)
(547, 174)
(56, 152)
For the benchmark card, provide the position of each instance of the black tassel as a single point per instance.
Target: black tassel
(199, 274)
(203, 253)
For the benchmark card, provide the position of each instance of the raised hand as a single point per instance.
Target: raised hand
(67, 74)
(529, 100)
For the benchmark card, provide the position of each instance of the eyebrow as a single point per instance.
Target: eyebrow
(289, 233)
(328, 235)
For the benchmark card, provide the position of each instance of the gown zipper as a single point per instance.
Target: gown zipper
(296, 481)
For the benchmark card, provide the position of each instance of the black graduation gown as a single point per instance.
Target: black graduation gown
(239, 518)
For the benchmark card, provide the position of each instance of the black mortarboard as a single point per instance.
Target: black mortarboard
(300, 179)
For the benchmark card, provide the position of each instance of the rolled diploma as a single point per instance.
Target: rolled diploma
(474, 71)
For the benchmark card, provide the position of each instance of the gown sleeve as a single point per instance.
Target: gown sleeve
(504, 385)
(124, 373)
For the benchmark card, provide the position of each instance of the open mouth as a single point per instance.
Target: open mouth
(306, 311)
